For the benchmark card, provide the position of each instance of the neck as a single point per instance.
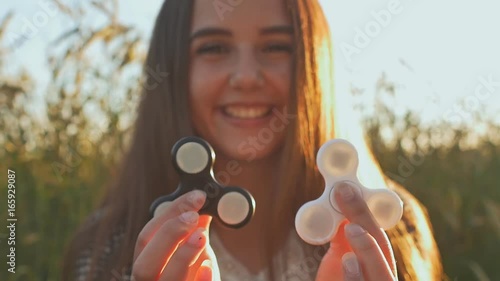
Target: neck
(258, 177)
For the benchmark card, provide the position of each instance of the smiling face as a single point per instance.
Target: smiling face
(240, 69)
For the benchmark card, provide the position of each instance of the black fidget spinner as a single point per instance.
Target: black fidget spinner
(193, 159)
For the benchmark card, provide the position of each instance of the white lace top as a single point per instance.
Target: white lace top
(298, 266)
(292, 263)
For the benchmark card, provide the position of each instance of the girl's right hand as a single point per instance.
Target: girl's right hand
(174, 244)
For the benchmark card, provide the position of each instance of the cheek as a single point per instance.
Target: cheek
(286, 85)
(197, 97)
(205, 81)
(204, 88)
(195, 83)
(281, 75)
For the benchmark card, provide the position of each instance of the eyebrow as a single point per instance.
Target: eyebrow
(287, 29)
(212, 31)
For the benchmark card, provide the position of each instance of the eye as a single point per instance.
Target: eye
(213, 48)
(278, 48)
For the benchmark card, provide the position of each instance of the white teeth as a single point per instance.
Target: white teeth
(246, 112)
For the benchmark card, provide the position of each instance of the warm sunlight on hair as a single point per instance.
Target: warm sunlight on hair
(325, 65)
(420, 264)
(344, 122)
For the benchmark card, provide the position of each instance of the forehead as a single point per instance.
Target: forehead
(243, 14)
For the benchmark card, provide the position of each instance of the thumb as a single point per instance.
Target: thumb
(339, 244)
(204, 221)
(204, 272)
(331, 264)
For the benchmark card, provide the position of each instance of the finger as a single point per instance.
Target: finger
(356, 211)
(191, 201)
(351, 268)
(207, 254)
(160, 209)
(185, 256)
(373, 263)
(204, 273)
(210, 255)
(158, 251)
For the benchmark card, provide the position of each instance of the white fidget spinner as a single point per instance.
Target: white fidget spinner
(318, 221)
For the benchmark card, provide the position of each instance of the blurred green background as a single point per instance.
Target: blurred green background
(63, 160)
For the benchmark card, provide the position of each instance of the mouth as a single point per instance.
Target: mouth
(247, 112)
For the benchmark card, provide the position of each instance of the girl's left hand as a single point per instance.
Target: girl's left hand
(360, 251)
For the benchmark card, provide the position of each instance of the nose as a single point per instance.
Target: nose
(247, 72)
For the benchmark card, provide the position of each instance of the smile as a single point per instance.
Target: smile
(246, 112)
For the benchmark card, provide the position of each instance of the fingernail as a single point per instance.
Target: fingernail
(162, 208)
(197, 198)
(205, 272)
(353, 229)
(198, 238)
(346, 191)
(350, 263)
(207, 263)
(189, 217)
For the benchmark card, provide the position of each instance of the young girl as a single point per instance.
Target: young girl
(251, 78)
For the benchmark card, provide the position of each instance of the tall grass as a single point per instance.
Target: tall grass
(64, 160)
(458, 183)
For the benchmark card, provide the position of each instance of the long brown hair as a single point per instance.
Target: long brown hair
(147, 173)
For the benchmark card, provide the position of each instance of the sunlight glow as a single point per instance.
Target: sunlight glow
(344, 122)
